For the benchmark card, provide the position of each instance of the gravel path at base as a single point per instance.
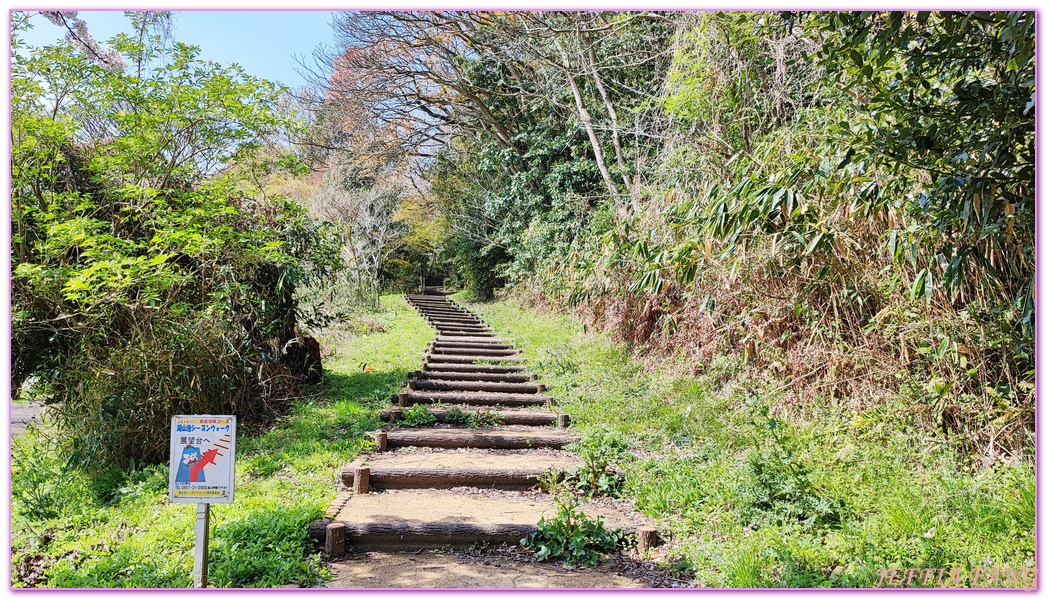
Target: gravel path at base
(447, 570)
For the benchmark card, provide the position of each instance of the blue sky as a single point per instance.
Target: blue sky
(264, 43)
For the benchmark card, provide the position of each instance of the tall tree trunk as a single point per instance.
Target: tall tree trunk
(615, 136)
(587, 121)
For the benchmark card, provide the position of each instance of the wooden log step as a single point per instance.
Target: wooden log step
(452, 325)
(443, 357)
(459, 327)
(453, 319)
(467, 376)
(449, 310)
(395, 517)
(484, 339)
(477, 348)
(464, 326)
(370, 537)
(475, 351)
(400, 536)
(475, 386)
(478, 438)
(489, 345)
(508, 417)
(474, 398)
(454, 460)
(434, 303)
(442, 312)
(468, 368)
(428, 298)
(450, 331)
(405, 478)
(442, 335)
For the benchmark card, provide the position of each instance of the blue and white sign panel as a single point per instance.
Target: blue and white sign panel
(202, 452)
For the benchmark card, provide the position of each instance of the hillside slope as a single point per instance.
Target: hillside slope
(759, 492)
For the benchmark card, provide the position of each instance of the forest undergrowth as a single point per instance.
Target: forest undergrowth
(759, 492)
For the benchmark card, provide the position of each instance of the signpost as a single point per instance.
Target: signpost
(202, 452)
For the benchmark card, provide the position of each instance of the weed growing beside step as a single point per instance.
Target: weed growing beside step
(480, 418)
(573, 536)
(420, 415)
(417, 415)
(602, 453)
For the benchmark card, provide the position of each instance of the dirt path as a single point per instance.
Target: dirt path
(445, 570)
(24, 413)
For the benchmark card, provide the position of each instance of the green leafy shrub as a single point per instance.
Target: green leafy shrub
(479, 267)
(484, 418)
(40, 482)
(116, 484)
(779, 489)
(601, 452)
(456, 416)
(151, 274)
(573, 536)
(266, 464)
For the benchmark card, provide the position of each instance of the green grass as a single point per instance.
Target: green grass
(757, 493)
(118, 530)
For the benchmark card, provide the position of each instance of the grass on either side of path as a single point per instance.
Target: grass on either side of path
(118, 529)
(757, 494)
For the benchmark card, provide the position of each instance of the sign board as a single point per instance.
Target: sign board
(202, 451)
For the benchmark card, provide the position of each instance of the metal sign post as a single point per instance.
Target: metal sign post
(203, 530)
(203, 449)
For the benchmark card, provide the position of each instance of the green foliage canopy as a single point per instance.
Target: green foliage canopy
(151, 275)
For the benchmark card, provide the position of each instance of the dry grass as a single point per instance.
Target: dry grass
(877, 349)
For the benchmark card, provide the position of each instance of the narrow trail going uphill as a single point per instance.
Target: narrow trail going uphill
(450, 485)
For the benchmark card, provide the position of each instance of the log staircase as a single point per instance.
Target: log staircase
(452, 485)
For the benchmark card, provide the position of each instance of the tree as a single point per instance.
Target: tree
(369, 209)
(151, 276)
(79, 37)
(946, 104)
(533, 111)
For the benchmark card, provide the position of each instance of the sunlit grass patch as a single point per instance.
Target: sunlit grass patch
(118, 530)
